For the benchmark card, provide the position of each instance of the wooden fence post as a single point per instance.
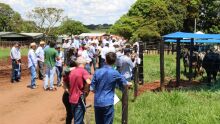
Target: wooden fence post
(178, 48)
(136, 81)
(190, 59)
(162, 65)
(125, 105)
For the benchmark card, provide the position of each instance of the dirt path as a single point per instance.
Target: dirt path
(21, 105)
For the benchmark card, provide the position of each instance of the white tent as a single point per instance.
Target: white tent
(92, 34)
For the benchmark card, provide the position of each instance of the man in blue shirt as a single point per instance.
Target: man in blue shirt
(32, 64)
(103, 85)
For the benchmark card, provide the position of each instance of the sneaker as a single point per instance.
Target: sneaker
(46, 88)
(59, 85)
(12, 81)
(33, 87)
(52, 89)
(17, 80)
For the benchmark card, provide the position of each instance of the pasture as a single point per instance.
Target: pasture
(196, 105)
(5, 52)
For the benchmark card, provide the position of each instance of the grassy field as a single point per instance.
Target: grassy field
(192, 106)
(5, 52)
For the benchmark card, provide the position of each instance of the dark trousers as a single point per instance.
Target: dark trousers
(16, 71)
(41, 70)
(78, 111)
(65, 56)
(104, 115)
(59, 70)
(102, 63)
(93, 62)
(69, 114)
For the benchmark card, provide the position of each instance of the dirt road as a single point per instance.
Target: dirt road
(22, 105)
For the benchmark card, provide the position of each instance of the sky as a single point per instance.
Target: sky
(86, 11)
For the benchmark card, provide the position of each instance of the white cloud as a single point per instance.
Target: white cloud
(86, 11)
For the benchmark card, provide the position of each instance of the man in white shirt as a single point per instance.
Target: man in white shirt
(15, 55)
(32, 64)
(76, 43)
(104, 51)
(85, 55)
(65, 47)
(40, 59)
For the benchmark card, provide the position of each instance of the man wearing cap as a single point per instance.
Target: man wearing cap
(50, 55)
(16, 62)
(32, 64)
(40, 60)
(79, 81)
(59, 65)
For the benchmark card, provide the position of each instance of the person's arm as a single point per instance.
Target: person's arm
(92, 86)
(122, 82)
(131, 64)
(86, 77)
(38, 52)
(57, 56)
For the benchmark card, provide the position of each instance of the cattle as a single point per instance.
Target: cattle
(211, 64)
(196, 61)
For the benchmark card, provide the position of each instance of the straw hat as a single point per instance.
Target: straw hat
(33, 44)
(42, 42)
(80, 60)
(86, 46)
(58, 46)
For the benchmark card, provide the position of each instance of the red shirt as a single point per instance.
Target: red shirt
(77, 79)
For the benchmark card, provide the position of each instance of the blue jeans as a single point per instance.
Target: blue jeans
(50, 71)
(33, 75)
(59, 70)
(78, 111)
(104, 115)
(15, 75)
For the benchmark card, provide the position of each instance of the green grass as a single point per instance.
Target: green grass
(152, 67)
(198, 105)
(5, 52)
(177, 107)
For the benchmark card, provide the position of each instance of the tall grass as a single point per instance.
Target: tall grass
(152, 67)
(200, 105)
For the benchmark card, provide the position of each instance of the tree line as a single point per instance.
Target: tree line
(49, 21)
(149, 19)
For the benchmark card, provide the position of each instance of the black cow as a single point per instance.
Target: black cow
(211, 63)
(196, 61)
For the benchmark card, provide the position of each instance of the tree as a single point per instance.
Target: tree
(46, 18)
(148, 17)
(72, 27)
(209, 20)
(15, 22)
(6, 15)
(28, 26)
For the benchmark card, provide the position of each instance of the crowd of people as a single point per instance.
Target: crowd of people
(81, 65)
